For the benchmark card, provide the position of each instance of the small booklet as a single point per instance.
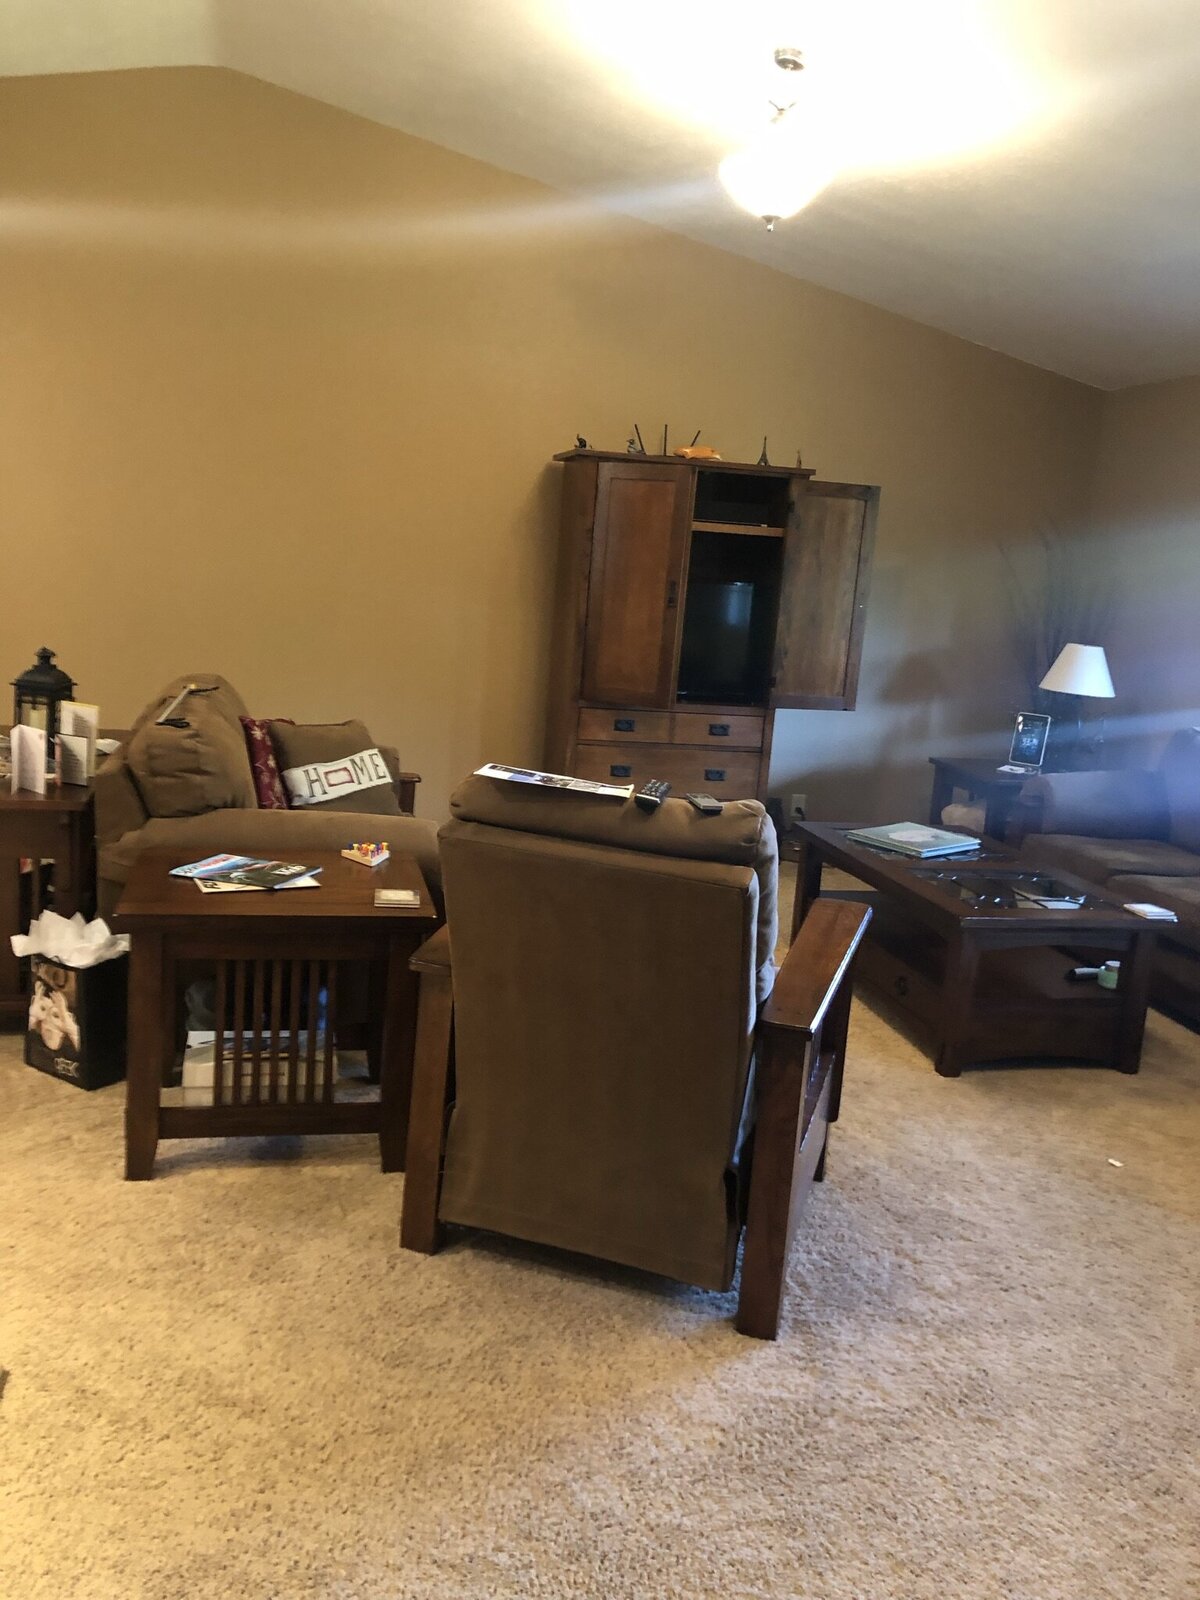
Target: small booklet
(913, 839)
(1152, 913)
(235, 874)
(397, 897)
(554, 780)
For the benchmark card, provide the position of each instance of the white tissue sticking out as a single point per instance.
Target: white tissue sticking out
(74, 942)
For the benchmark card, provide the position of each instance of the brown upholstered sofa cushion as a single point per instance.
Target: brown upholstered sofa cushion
(335, 765)
(742, 836)
(1098, 860)
(203, 766)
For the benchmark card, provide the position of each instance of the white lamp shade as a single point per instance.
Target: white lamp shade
(1080, 669)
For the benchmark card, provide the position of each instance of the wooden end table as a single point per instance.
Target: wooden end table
(985, 980)
(272, 954)
(979, 780)
(58, 827)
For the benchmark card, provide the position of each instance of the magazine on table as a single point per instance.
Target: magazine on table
(225, 874)
(554, 780)
(914, 839)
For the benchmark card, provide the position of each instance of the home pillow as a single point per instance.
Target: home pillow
(268, 780)
(335, 765)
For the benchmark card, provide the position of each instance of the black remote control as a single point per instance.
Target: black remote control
(652, 794)
(705, 804)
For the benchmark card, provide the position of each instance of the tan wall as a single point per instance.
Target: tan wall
(280, 387)
(1147, 543)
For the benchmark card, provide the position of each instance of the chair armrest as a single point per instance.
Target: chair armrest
(434, 954)
(816, 965)
(404, 783)
(1098, 805)
(406, 791)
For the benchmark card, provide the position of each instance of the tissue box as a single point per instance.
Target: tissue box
(77, 1021)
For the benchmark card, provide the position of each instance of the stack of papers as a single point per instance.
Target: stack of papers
(913, 839)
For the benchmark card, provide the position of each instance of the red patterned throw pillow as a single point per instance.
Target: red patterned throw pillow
(268, 784)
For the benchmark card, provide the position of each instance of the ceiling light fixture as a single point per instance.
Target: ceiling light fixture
(777, 174)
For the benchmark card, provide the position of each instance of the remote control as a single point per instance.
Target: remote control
(705, 804)
(1082, 974)
(652, 794)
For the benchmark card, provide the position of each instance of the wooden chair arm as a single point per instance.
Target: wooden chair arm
(814, 967)
(406, 791)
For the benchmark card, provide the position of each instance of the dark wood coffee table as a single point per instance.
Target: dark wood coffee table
(987, 982)
(272, 953)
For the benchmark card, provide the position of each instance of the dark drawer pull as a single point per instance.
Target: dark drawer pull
(718, 730)
(901, 985)
(714, 774)
(624, 724)
(620, 772)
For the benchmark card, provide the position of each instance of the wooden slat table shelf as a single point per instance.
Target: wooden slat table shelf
(272, 955)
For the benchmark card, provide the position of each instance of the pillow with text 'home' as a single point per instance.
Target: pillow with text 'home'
(334, 765)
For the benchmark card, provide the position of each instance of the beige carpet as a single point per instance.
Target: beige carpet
(231, 1382)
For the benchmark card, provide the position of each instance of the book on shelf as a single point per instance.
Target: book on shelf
(554, 780)
(914, 839)
(226, 874)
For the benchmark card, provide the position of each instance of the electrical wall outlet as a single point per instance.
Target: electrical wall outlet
(797, 807)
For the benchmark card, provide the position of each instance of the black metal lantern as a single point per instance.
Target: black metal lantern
(39, 693)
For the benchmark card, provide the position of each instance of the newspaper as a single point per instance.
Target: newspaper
(554, 780)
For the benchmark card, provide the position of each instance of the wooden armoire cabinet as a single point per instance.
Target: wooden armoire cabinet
(695, 599)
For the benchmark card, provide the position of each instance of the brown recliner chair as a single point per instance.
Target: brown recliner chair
(624, 1073)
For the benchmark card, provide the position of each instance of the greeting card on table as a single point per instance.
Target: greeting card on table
(82, 720)
(28, 758)
(71, 758)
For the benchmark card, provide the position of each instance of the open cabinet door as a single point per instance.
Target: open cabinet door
(823, 597)
(638, 548)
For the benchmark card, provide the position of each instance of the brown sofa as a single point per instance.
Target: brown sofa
(194, 793)
(1137, 833)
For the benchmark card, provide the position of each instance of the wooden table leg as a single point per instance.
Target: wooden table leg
(940, 796)
(10, 922)
(958, 998)
(144, 1058)
(808, 884)
(396, 1064)
(67, 869)
(1133, 991)
(419, 1225)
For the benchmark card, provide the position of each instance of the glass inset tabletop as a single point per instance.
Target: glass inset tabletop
(1001, 890)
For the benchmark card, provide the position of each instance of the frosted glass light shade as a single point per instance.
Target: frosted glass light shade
(776, 175)
(1080, 669)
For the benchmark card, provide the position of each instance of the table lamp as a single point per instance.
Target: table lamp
(1081, 669)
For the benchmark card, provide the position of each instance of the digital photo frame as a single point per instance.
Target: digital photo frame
(1028, 748)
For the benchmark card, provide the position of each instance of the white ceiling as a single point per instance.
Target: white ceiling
(1023, 173)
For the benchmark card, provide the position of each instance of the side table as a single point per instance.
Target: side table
(981, 781)
(57, 827)
(273, 953)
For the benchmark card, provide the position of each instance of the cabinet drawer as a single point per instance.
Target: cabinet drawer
(731, 733)
(624, 725)
(732, 776)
